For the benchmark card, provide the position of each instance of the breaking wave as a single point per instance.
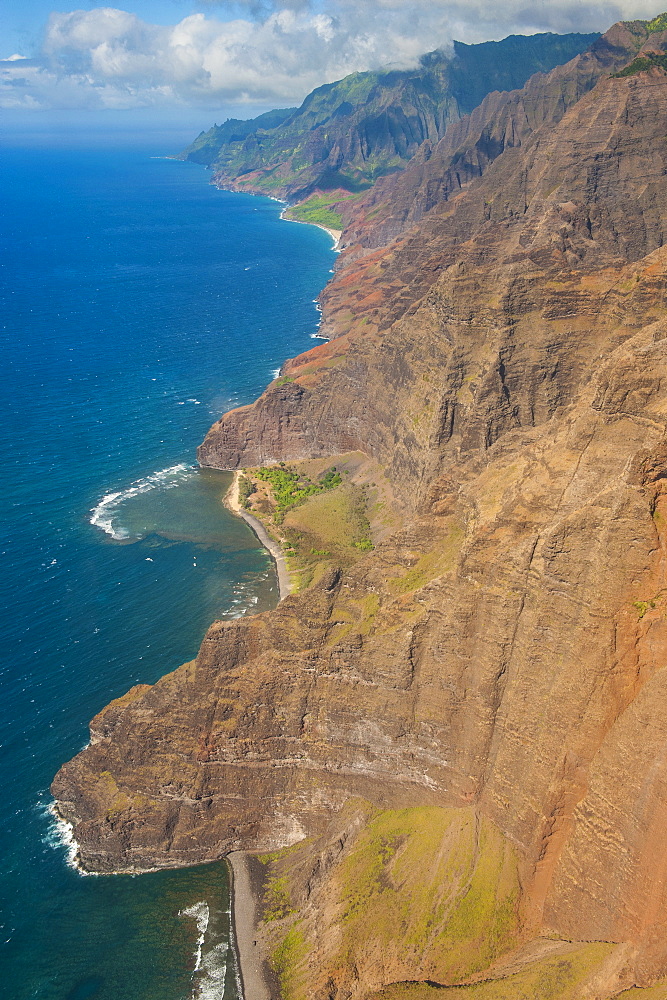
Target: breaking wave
(210, 971)
(60, 836)
(105, 514)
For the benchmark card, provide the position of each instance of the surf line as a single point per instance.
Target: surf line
(335, 234)
(103, 513)
(232, 503)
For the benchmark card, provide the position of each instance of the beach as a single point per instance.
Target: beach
(257, 980)
(335, 234)
(231, 501)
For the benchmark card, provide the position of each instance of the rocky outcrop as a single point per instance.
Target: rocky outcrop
(429, 359)
(505, 361)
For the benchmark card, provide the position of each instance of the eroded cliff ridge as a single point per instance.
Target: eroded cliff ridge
(464, 733)
(347, 134)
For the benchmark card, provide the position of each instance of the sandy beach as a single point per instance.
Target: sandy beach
(232, 502)
(257, 980)
(335, 234)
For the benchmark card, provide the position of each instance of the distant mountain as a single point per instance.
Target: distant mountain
(447, 755)
(208, 145)
(347, 134)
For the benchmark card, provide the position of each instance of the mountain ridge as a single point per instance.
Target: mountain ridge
(451, 750)
(346, 134)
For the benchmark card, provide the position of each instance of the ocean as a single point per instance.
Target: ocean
(138, 303)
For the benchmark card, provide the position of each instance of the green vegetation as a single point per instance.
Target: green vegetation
(329, 521)
(381, 116)
(643, 606)
(277, 899)
(354, 616)
(440, 559)
(289, 488)
(234, 130)
(435, 886)
(317, 209)
(658, 23)
(330, 527)
(365, 545)
(322, 515)
(246, 490)
(559, 977)
(643, 63)
(286, 958)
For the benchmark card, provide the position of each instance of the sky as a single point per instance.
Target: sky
(197, 59)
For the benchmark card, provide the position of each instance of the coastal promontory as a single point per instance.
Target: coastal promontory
(449, 747)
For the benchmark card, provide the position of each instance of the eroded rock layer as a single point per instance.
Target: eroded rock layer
(505, 361)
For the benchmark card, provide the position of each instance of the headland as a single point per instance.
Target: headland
(451, 741)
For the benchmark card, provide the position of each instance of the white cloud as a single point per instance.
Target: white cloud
(274, 54)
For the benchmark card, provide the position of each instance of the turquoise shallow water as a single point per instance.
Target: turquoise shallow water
(136, 304)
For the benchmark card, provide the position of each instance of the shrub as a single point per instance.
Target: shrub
(290, 489)
(246, 490)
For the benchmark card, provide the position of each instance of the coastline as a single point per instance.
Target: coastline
(335, 234)
(231, 501)
(257, 980)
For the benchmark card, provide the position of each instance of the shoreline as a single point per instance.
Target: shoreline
(256, 979)
(231, 502)
(335, 234)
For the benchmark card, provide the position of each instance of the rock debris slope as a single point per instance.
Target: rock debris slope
(501, 656)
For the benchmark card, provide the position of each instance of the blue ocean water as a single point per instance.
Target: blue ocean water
(137, 303)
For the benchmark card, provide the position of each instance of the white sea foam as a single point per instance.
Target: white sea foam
(104, 515)
(275, 372)
(244, 599)
(210, 971)
(211, 985)
(60, 836)
(201, 913)
(233, 947)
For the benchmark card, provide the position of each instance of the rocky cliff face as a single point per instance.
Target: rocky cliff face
(501, 657)
(348, 133)
(500, 122)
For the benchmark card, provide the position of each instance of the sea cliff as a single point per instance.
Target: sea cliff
(451, 749)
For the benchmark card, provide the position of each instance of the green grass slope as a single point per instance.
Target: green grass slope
(428, 892)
